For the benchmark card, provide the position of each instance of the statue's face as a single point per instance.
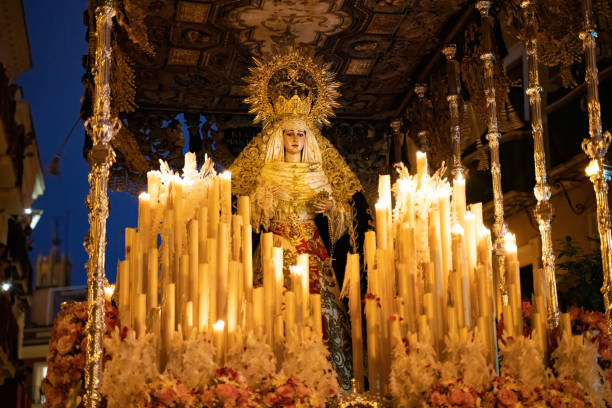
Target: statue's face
(294, 140)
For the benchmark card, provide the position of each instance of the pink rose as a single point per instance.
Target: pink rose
(285, 391)
(507, 397)
(556, 402)
(166, 396)
(457, 396)
(228, 392)
(439, 399)
(301, 390)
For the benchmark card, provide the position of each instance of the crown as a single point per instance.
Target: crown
(294, 106)
(314, 92)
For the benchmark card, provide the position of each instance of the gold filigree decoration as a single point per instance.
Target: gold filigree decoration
(559, 26)
(132, 18)
(123, 80)
(273, 86)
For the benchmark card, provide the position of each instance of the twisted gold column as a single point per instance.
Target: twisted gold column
(101, 128)
(596, 147)
(454, 89)
(493, 136)
(542, 189)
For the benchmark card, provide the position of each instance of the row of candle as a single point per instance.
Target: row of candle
(429, 271)
(201, 276)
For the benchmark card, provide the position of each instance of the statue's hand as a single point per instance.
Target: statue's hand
(323, 205)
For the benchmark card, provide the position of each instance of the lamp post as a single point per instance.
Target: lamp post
(596, 147)
(541, 190)
(101, 128)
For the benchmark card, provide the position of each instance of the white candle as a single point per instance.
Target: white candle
(258, 306)
(290, 313)
(219, 341)
(226, 195)
(144, 219)
(203, 296)
(421, 159)
(222, 269)
(211, 257)
(152, 278)
(382, 226)
(194, 268)
(317, 317)
(459, 197)
(277, 262)
(124, 293)
(213, 207)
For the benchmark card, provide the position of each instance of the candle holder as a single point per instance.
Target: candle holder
(543, 210)
(493, 136)
(454, 87)
(596, 147)
(102, 128)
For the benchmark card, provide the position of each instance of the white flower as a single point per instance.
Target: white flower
(413, 373)
(522, 359)
(132, 365)
(576, 359)
(191, 360)
(255, 361)
(308, 361)
(467, 360)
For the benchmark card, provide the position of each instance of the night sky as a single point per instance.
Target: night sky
(53, 88)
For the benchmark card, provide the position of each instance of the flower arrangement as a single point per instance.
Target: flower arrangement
(63, 385)
(193, 379)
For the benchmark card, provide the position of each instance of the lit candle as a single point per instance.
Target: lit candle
(290, 313)
(244, 209)
(369, 249)
(382, 209)
(566, 325)
(219, 341)
(188, 318)
(226, 195)
(421, 159)
(144, 219)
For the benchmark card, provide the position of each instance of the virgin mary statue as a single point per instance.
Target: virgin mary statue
(301, 189)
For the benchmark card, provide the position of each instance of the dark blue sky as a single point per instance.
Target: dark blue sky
(53, 88)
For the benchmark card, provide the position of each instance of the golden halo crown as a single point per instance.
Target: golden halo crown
(291, 84)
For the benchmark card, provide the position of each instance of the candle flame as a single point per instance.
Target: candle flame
(219, 326)
(483, 231)
(226, 175)
(510, 242)
(592, 169)
(469, 216)
(459, 178)
(420, 154)
(457, 229)
(296, 270)
(144, 196)
(109, 290)
(381, 203)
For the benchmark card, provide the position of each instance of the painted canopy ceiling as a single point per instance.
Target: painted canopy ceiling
(199, 51)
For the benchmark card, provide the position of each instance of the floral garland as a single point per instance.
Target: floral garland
(63, 385)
